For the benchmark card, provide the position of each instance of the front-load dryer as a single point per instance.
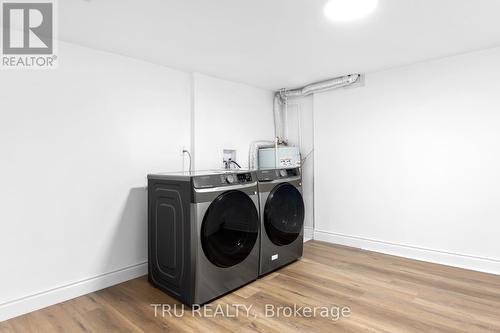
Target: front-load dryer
(281, 217)
(203, 233)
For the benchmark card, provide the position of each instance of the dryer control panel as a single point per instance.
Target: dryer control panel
(274, 174)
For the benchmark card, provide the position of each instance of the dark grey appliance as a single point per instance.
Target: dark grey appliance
(282, 218)
(203, 230)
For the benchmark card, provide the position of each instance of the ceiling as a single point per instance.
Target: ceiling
(279, 43)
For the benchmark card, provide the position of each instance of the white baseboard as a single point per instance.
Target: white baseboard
(46, 298)
(308, 233)
(487, 265)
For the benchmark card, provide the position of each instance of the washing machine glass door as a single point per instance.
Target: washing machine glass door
(284, 214)
(230, 229)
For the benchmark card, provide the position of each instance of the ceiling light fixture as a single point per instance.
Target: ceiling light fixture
(349, 10)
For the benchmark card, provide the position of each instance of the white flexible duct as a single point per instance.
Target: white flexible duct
(253, 154)
(278, 116)
(338, 82)
(281, 97)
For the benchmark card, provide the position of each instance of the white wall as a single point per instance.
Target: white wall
(409, 164)
(76, 144)
(299, 128)
(228, 115)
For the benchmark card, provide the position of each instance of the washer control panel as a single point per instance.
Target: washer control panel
(223, 179)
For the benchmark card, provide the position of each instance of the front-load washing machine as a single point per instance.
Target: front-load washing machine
(281, 216)
(203, 233)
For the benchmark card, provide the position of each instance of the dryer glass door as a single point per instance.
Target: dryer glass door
(230, 229)
(284, 214)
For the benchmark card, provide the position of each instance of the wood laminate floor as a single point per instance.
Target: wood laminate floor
(383, 293)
